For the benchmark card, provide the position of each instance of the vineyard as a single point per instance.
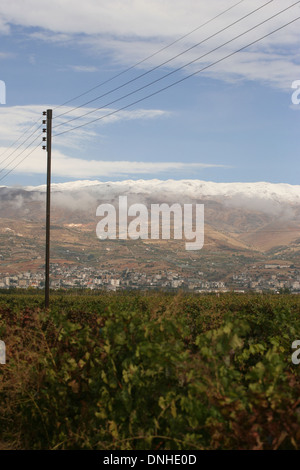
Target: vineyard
(149, 371)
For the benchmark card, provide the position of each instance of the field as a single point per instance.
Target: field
(149, 371)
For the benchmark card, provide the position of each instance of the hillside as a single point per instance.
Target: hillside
(244, 223)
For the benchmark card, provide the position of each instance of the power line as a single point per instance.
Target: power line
(1, 163)
(112, 78)
(171, 85)
(188, 76)
(151, 56)
(171, 73)
(158, 66)
(27, 130)
(3, 169)
(26, 156)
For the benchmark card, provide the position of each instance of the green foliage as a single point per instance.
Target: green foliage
(149, 371)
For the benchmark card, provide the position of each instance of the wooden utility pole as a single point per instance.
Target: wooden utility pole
(47, 261)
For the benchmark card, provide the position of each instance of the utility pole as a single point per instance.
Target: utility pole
(48, 129)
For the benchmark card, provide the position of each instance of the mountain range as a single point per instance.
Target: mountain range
(253, 221)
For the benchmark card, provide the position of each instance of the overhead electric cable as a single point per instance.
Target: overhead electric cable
(10, 155)
(121, 73)
(26, 156)
(162, 64)
(184, 78)
(150, 56)
(16, 141)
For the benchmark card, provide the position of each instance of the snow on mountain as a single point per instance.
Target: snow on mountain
(279, 192)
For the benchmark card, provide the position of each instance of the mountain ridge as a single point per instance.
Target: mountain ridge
(244, 223)
(192, 188)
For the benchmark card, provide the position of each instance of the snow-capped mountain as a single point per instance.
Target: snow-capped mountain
(192, 188)
(240, 218)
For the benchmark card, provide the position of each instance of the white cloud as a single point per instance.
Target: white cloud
(102, 117)
(80, 168)
(16, 120)
(83, 68)
(132, 29)
(66, 166)
(25, 120)
(23, 125)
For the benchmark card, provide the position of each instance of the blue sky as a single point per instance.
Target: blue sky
(233, 122)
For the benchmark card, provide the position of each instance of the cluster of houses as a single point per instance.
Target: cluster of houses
(71, 276)
(260, 280)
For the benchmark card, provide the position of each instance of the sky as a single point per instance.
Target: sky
(230, 117)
